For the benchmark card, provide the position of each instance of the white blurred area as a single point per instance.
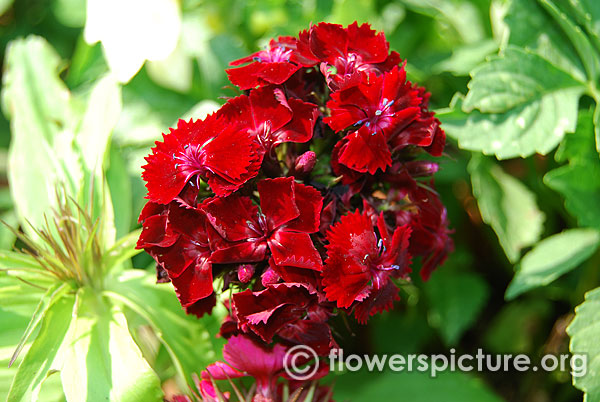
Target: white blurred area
(133, 31)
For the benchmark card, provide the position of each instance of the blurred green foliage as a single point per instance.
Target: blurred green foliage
(525, 72)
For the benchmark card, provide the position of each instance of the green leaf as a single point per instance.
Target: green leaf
(411, 386)
(534, 29)
(119, 183)
(456, 299)
(465, 58)
(584, 331)
(520, 132)
(506, 205)
(38, 362)
(551, 258)
(587, 54)
(99, 119)
(524, 105)
(579, 180)
(39, 107)
(189, 341)
(460, 15)
(102, 362)
(123, 250)
(52, 295)
(515, 79)
(11, 260)
(93, 139)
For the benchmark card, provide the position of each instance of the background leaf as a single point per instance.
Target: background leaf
(413, 387)
(579, 180)
(40, 358)
(102, 362)
(513, 110)
(456, 299)
(584, 332)
(190, 342)
(506, 205)
(39, 107)
(551, 258)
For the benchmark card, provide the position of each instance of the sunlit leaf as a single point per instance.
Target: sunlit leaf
(38, 362)
(551, 258)
(506, 205)
(102, 362)
(189, 341)
(584, 332)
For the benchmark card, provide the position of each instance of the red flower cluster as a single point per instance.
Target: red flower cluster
(307, 196)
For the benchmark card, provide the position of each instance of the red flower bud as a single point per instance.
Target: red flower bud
(245, 272)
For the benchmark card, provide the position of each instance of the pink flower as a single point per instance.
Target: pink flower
(246, 357)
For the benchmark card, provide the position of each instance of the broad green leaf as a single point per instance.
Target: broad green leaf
(515, 79)
(534, 127)
(15, 292)
(579, 180)
(39, 108)
(465, 58)
(506, 205)
(518, 104)
(189, 341)
(37, 364)
(455, 300)
(587, 54)
(99, 120)
(102, 362)
(551, 258)
(532, 28)
(584, 332)
(461, 15)
(411, 386)
(93, 139)
(70, 12)
(52, 296)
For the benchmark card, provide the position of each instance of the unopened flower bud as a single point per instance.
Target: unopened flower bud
(245, 272)
(269, 277)
(304, 164)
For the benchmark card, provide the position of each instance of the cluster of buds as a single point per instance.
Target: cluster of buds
(305, 197)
